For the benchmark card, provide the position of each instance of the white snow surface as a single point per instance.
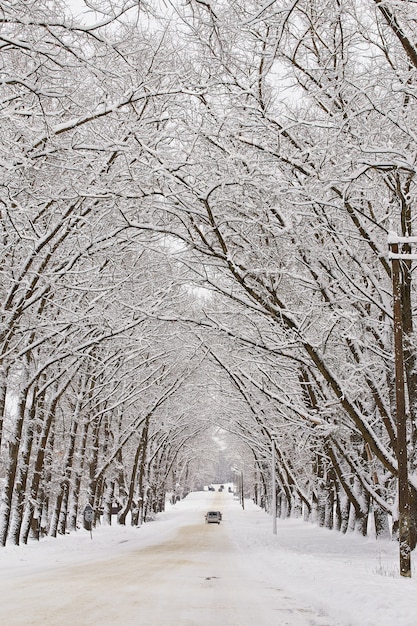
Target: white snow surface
(342, 579)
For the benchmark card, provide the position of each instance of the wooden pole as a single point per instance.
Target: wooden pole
(403, 490)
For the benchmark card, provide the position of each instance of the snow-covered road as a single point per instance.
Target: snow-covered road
(198, 576)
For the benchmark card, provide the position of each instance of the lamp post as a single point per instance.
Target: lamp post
(239, 485)
(401, 418)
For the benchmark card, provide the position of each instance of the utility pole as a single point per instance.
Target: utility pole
(401, 417)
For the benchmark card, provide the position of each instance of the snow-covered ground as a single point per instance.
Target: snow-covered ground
(345, 579)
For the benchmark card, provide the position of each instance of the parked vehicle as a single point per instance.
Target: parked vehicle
(213, 517)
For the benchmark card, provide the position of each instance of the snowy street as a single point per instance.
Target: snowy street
(198, 576)
(180, 571)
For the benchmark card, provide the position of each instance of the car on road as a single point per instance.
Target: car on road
(213, 517)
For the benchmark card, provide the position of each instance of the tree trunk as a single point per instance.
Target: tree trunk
(12, 460)
(142, 470)
(23, 471)
(345, 514)
(338, 509)
(108, 502)
(62, 496)
(3, 390)
(33, 503)
(131, 490)
(382, 530)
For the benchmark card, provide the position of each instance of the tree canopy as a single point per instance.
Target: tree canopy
(195, 202)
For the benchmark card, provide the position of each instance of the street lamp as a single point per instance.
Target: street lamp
(402, 460)
(240, 485)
